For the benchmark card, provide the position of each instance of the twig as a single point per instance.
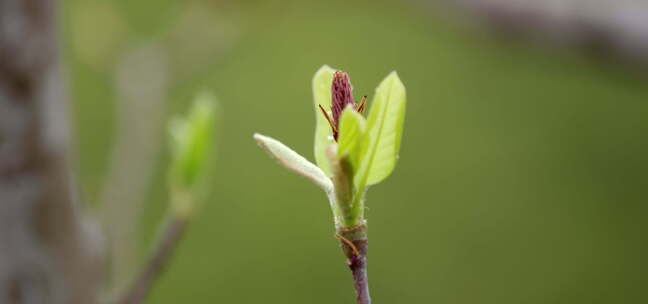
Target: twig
(358, 266)
(163, 251)
(354, 245)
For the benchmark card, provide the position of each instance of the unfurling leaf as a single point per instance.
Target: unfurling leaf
(322, 97)
(353, 140)
(384, 129)
(293, 161)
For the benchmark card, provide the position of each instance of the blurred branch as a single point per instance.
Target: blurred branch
(49, 254)
(619, 27)
(141, 92)
(155, 265)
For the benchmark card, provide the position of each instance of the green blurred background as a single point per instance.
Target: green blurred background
(522, 176)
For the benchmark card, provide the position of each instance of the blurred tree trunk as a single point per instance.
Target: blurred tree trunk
(47, 252)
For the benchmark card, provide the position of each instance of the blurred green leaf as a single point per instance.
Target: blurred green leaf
(384, 128)
(322, 96)
(192, 139)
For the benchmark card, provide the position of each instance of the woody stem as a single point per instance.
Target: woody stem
(354, 245)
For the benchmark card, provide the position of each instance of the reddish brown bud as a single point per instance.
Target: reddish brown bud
(341, 93)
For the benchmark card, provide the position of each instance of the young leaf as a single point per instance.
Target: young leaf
(352, 140)
(384, 128)
(322, 96)
(191, 142)
(293, 161)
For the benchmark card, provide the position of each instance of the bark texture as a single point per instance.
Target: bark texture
(48, 254)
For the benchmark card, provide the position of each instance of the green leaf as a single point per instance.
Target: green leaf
(322, 96)
(352, 140)
(293, 161)
(384, 129)
(192, 139)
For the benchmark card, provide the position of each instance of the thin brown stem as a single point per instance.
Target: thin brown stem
(354, 245)
(163, 251)
(358, 267)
